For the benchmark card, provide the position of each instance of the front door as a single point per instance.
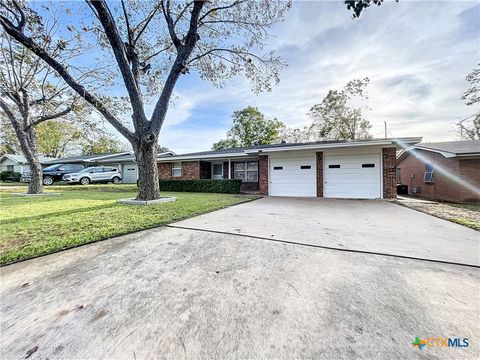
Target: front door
(217, 171)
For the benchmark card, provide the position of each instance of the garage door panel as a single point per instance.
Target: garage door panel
(351, 179)
(290, 179)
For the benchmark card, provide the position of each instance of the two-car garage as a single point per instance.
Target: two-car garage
(354, 176)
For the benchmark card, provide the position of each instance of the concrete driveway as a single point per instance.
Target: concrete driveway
(363, 225)
(179, 293)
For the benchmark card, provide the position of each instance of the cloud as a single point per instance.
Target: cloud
(416, 55)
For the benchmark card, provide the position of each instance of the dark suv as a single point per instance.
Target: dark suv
(55, 172)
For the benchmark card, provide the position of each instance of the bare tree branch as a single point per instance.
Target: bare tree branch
(62, 71)
(51, 116)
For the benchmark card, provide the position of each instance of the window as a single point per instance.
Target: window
(334, 166)
(428, 177)
(305, 167)
(399, 176)
(177, 169)
(246, 171)
(10, 168)
(368, 165)
(278, 168)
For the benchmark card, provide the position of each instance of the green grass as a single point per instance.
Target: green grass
(31, 227)
(471, 224)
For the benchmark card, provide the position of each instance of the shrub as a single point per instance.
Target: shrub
(10, 176)
(202, 185)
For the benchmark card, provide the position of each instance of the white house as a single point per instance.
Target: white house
(18, 163)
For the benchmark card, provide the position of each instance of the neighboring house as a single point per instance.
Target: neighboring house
(336, 169)
(124, 161)
(447, 171)
(18, 163)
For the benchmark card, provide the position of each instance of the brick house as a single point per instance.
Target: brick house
(448, 171)
(338, 169)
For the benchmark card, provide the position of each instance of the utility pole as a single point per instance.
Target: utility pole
(385, 129)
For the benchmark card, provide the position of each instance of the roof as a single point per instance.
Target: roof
(87, 158)
(458, 148)
(245, 151)
(103, 158)
(449, 149)
(22, 160)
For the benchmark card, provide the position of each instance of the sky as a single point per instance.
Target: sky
(416, 55)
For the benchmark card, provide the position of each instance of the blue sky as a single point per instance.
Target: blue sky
(416, 55)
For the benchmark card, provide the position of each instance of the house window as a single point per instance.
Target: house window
(10, 168)
(428, 177)
(177, 169)
(399, 176)
(246, 171)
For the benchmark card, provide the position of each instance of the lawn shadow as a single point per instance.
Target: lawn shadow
(59, 213)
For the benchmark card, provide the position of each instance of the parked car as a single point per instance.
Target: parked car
(54, 173)
(95, 174)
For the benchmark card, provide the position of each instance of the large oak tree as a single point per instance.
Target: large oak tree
(153, 44)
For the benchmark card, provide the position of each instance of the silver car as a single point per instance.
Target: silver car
(95, 174)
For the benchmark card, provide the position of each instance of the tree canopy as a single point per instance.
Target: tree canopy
(250, 127)
(469, 128)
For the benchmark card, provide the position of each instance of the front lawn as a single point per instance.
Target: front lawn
(82, 214)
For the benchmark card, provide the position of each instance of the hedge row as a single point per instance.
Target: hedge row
(202, 185)
(10, 176)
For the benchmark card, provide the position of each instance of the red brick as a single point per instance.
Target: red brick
(389, 173)
(319, 174)
(412, 170)
(263, 174)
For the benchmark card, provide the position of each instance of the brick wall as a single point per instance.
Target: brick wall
(164, 171)
(190, 170)
(319, 174)
(263, 174)
(412, 170)
(389, 173)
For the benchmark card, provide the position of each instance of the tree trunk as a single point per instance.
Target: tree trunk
(27, 137)
(36, 181)
(28, 144)
(148, 186)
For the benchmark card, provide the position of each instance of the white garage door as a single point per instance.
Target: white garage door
(352, 176)
(293, 176)
(130, 173)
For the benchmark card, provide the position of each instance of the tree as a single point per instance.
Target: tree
(469, 128)
(336, 118)
(8, 139)
(251, 127)
(104, 144)
(153, 44)
(56, 137)
(30, 93)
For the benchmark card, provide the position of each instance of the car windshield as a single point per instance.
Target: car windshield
(51, 167)
(87, 169)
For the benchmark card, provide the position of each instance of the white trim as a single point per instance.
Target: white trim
(201, 157)
(381, 174)
(334, 145)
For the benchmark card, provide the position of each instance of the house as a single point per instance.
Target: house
(124, 161)
(18, 163)
(337, 169)
(448, 171)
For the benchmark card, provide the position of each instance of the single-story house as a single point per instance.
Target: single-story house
(337, 169)
(18, 163)
(124, 161)
(447, 171)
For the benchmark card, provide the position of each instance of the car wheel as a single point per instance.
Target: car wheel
(84, 181)
(47, 180)
(116, 180)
